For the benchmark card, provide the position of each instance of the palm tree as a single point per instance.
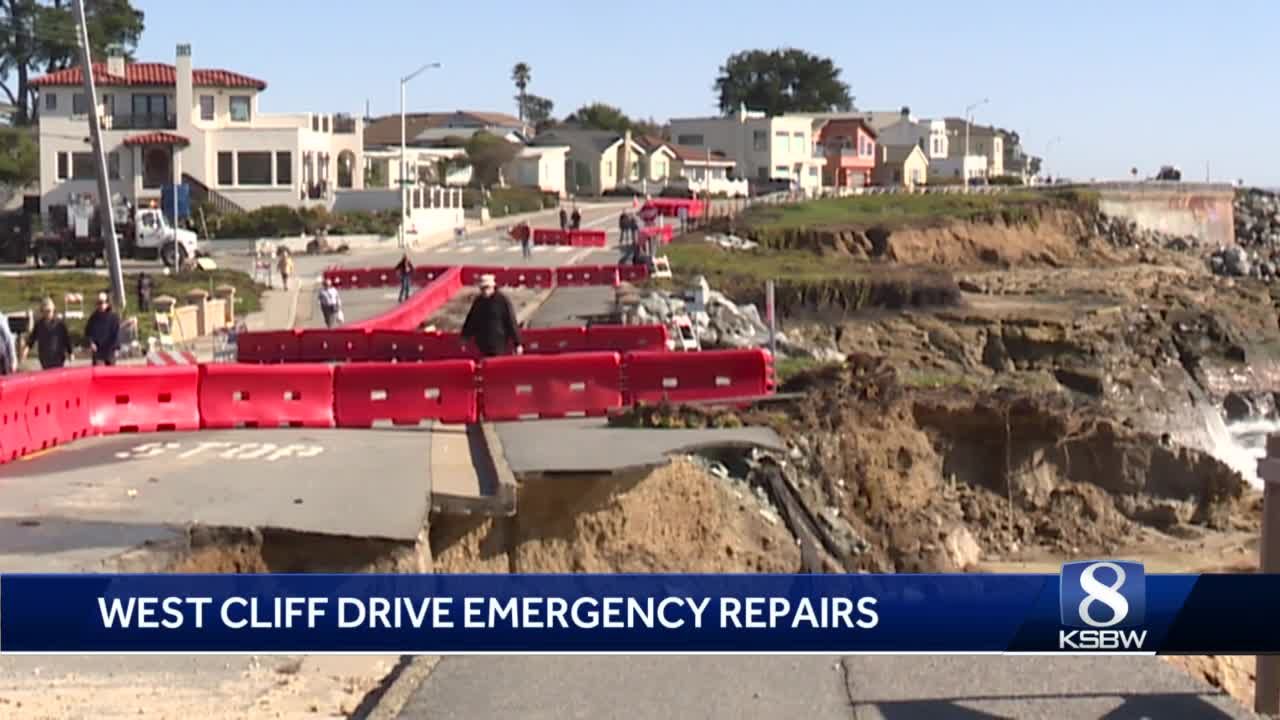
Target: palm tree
(520, 75)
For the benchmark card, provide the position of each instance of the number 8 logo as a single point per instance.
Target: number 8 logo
(1095, 591)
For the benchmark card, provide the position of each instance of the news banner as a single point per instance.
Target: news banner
(1101, 606)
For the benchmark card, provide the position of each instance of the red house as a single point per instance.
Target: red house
(850, 147)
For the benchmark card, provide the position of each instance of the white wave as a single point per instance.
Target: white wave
(1239, 444)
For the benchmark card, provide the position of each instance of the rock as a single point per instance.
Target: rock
(1088, 382)
(1164, 514)
(1237, 407)
(995, 355)
(961, 550)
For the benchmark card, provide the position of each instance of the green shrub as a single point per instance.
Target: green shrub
(283, 221)
(1005, 180)
(511, 200)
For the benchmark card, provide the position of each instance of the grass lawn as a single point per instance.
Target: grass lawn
(899, 209)
(26, 291)
(696, 257)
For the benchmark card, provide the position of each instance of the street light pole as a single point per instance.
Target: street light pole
(404, 182)
(968, 121)
(105, 214)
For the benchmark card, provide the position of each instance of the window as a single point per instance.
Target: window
(717, 173)
(324, 124)
(62, 165)
(690, 140)
(79, 104)
(108, 105)
(762, 173)
(780, 171)
(813, 171)
(151, 105)
(608, 167)
(254, 168)
(761, 140)
(113, 166)
(82, 166)
(225, 165)
(635, 169)
(51, 101)
(240, 109)
(284, 168)
(783, 141)
(206, 107)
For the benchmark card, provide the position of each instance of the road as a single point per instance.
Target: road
(814, 687)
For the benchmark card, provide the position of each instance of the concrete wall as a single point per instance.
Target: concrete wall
(1201, 210)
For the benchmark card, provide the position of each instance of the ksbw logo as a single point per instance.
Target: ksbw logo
(1099, 598)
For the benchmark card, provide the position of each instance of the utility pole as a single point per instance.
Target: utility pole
(108, 220)
(968, 121)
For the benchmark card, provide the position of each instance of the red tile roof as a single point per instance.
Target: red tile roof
(153, 74)
(156, 138)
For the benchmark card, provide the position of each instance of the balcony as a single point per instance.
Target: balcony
(149, 121)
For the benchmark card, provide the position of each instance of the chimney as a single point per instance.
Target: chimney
(183, 98)
(625, 174)
(115, 63)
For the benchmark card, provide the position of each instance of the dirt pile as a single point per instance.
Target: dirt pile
(921, 474)
(678, 519)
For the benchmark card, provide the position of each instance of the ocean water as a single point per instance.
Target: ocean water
(1239, 444)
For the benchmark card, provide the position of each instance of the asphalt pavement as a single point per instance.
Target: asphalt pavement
(814, 687)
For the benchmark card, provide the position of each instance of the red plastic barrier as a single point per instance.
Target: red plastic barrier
(57, 406)
(583, 275)
(423, 275)
(709, 375)
(633, 273)
(275, 346)
(405, 394)
(525, 277)
(663, 232)
(336, 345)
(587, 238)
(14, 442)
(234, 395)
(549, 236)
(413, 346)
(627, 338)
(555, 340)
(145, 399)
(470, 274)
(548, 386)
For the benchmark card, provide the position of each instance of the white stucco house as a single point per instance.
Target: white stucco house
(163, 123)
(761, 147)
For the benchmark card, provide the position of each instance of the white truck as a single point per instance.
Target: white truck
(142, 233)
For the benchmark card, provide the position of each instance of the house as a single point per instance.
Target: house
(762, 147)
(984, 141)
(429, 128)
(165, 123)
(696, 168)
(595, 159)
(900, 165)
(850, 147)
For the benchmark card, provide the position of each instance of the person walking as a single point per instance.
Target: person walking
(144, 292)
(8, 348)
(49, 337)
(330, 304)
(623, 227)
(524, 234)
(564, 220)
(285, 264)
(404, 269)
(491, 322)
(102, 331)
(575, 220)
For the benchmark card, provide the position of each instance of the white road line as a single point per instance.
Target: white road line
(564, 248)
(466, 250)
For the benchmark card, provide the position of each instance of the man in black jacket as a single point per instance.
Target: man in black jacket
(49, 337)
(491, 322)
(102, 331)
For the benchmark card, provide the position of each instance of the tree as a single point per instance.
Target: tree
(781, 81)
(521, 74)
(600, 116)
(19, 157)
(443, 166)
(535, 111)
(39, 36)
(487, 153)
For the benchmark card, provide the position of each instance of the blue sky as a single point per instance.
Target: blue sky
(1124, 83)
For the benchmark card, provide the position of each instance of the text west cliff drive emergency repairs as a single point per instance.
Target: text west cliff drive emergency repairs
(489, 612)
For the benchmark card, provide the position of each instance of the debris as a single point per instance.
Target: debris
(731, 242)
